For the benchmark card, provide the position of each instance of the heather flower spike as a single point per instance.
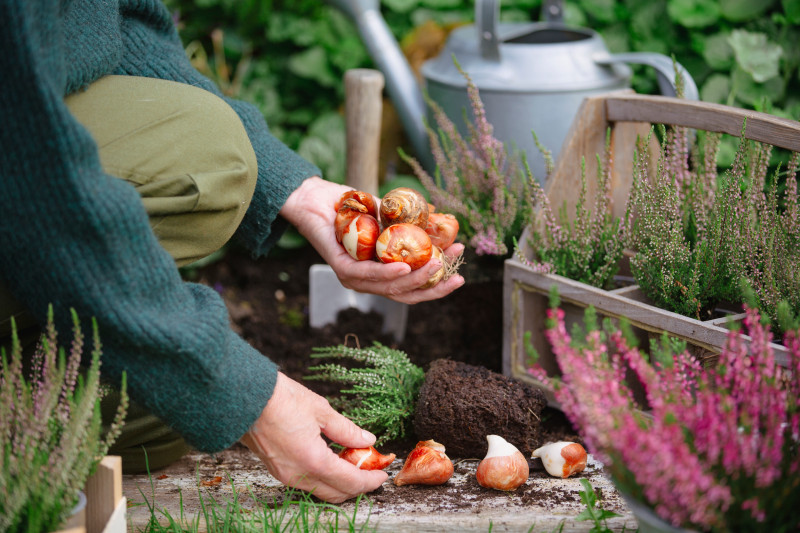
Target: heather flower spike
(51, 433)
(476, 180)
(719, 448)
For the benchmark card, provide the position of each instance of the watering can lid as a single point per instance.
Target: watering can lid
(534, 57)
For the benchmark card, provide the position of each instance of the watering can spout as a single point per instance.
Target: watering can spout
(401, 84)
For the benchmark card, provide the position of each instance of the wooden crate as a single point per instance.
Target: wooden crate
(525, 292)
(106, 507)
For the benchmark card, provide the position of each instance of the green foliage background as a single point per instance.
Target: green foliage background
(289, 57)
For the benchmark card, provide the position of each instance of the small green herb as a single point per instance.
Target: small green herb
(384, 392)
(594, 512)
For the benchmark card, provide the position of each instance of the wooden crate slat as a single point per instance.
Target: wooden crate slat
(706, 116)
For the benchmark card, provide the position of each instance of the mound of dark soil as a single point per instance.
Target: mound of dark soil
(460, 404)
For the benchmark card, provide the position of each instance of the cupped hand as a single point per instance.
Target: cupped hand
(287, 438)
(310, 209)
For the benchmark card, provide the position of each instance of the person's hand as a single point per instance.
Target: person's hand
(287, 438)
(310, 209)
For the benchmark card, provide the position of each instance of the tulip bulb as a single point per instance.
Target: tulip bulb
(437, 276)
(562, 459)
(359, 237)
(363, 198)
(427, 464)
(404, 205)
(442, 228)
(367, 458)
(504, 467)
(404, 242)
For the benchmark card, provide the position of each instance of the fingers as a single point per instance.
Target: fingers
(287, 438)
(343, 431)
(338, 480)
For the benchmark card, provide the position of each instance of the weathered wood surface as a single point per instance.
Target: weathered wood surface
(179, 487)
(104, 494)
(525, 304)
(705, 116)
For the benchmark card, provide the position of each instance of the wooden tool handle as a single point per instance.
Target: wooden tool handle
(363, 108)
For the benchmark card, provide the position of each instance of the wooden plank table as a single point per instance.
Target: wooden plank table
(461, 505)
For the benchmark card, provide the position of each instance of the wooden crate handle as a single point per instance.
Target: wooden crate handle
(706, 116)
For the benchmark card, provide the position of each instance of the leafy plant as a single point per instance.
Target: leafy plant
(51, 432)
(739, 52)
(475, 179)
(594, 513)
(586, 249)
(717, 450)
(384, 392)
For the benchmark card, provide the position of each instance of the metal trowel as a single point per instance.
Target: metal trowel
(327, 296)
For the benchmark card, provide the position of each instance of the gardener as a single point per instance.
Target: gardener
(119, 163)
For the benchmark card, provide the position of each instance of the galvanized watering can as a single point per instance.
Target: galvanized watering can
(531, 76)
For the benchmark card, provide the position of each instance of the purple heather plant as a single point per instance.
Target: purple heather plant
(717, 450)
(51, 430)
(586, 249)
(770, 259)
(699, 237)
(682, 224)
(475, 179)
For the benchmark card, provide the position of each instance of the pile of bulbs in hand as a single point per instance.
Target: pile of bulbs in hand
(405, 228)
(503, 468)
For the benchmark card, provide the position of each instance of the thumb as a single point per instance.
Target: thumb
(342, 431)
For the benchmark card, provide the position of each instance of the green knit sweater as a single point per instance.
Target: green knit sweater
(76, 237)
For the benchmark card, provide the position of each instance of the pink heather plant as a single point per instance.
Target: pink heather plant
(475, 179)
(51, 434)
(719, 449)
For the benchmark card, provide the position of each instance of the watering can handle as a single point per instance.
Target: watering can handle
(665, 68)
(487, 14)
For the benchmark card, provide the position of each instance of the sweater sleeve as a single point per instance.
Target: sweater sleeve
(153, 49)
(75, 237)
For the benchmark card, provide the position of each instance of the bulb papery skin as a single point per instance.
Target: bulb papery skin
(562, 459)
(359, 237)
(363, 198)
(344, 217)
(439, 274)
(427, 464)
(404, 242)
(367, 458)
(403, 205)
(504, 467)
(442, 228)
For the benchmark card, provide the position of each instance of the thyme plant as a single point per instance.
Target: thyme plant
(384, 390)
(51, 433)
(586, 249)
(475, 178)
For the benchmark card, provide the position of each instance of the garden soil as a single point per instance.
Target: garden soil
(268, 300)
